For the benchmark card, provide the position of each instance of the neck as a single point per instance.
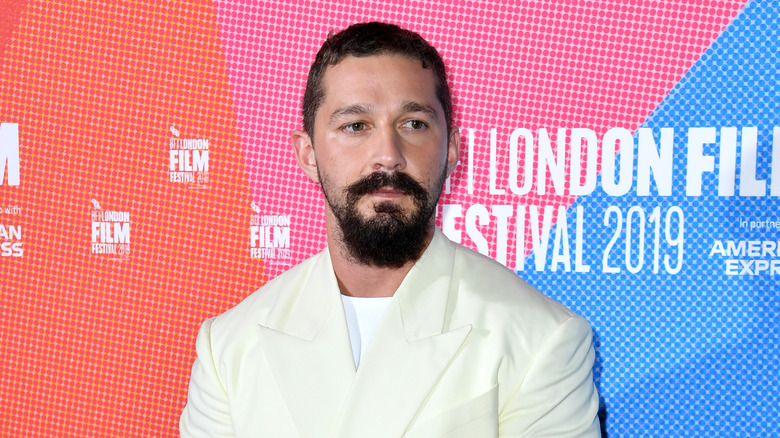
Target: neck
(358, 280)
(361, 280)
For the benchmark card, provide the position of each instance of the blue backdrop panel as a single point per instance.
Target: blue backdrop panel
(693, 353)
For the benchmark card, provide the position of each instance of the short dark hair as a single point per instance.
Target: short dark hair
(367, 39)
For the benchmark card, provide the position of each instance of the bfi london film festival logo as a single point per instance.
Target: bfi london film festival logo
(11, 244)
(269, 235)
(110, 232)
(188, 160)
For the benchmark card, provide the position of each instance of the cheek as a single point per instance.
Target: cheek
(330, 167)
(337, 162)
(334, 179)
(428, 167)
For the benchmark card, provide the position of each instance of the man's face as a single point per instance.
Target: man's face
(381, 150)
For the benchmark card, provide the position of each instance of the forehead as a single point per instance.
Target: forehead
(381, 80)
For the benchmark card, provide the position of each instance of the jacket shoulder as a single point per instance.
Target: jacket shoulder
(483, 282)
(259, 305)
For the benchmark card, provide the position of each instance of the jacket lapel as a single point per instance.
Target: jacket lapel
(411, 348)
(306, 344)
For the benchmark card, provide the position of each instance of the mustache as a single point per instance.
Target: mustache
(397, 180)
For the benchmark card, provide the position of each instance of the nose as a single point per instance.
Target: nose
(388, 151)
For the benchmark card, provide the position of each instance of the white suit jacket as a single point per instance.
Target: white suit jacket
(465, 349)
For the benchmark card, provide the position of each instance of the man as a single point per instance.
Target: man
(459, 345)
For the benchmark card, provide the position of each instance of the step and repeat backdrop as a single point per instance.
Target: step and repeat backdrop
(623, 157)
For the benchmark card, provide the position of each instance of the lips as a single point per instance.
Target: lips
(387, 192)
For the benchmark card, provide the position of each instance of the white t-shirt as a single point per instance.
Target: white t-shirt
(363, 315)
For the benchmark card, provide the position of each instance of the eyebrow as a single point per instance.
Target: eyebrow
(359, 108)
(416, 107)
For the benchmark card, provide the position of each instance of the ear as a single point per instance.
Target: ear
(304, 154)
(453, 150)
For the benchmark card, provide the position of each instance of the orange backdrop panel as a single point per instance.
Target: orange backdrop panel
(91, 345)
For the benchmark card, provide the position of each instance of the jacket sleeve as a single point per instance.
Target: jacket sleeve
(557, 396)
(206, 413)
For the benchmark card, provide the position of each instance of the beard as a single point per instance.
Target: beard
(391, 237)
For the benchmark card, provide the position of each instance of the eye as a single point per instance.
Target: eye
(415, 124)
(354, 127)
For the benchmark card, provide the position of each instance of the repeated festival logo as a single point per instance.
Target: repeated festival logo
(269, 235)
(188, 160)
(110, 231)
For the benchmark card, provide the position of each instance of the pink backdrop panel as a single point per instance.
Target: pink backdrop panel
(533, 64)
